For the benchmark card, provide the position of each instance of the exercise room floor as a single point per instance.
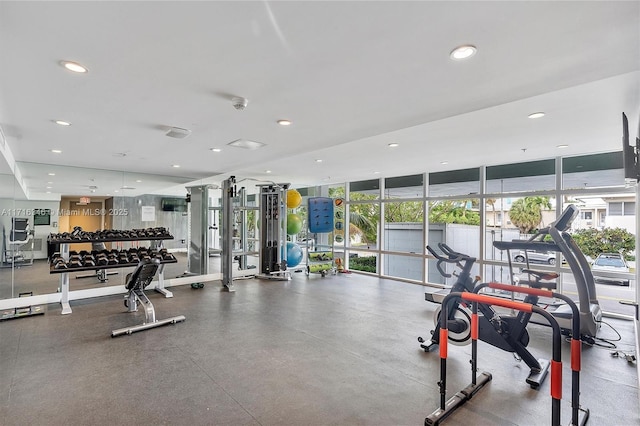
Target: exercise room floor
(339, 350)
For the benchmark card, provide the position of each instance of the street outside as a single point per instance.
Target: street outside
(608, 295)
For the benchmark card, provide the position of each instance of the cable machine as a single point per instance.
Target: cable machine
(234, 231)
(273, 231)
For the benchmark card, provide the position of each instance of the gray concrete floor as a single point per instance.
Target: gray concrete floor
(339, 350)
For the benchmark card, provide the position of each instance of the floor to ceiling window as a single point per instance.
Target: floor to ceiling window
(453, 219)
(404, 227)
(364, 225)
(391, 220)
(605, 230)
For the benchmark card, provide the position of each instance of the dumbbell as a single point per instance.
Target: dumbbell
(168, 257)
(60, 264)
(75, 262)
(112, 259)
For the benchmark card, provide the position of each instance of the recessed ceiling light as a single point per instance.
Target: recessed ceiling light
(74, 66)
(267, 171)
(51, 174)
(49, 187)
(318, 161)
(284, 122)
(48, 192)
(562, 146)
(463, 52)
(376, 173)
(216, 149)
(444, 162)
(138, 181)
(175, 166)
(393, 145)
(62, 122)
(56, 151)
(50, 182)
(536, 114)
(115, 190)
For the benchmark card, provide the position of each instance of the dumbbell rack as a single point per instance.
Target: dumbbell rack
(64, 273)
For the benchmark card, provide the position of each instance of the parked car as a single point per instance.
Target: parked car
(548, 257)
(610, 262)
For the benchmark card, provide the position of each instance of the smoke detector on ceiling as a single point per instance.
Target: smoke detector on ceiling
(239, 103)
(178, 133)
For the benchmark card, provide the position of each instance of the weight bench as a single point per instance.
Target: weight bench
(136, 283)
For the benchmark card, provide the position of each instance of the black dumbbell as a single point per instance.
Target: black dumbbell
(168, 257)
(60, 264)
(74, 263)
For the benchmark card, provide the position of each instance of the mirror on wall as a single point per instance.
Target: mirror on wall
(61, 198)
(8, 188)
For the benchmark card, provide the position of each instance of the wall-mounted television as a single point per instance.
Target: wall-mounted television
(42, 217)
(173, 204)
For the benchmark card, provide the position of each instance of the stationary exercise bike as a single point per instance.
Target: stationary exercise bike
(506, 332)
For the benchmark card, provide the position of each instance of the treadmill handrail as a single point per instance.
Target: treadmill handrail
(526, 245)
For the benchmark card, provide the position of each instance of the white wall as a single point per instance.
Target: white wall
(625, 222)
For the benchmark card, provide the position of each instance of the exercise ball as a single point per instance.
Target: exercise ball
(293, 198)
(294, 254)
(294, 224)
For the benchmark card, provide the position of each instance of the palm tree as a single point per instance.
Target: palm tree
(526, 213)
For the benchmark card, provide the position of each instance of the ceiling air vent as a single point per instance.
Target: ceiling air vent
(246, 144)
(178, 133)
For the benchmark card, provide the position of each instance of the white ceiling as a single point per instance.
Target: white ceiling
(352, 76)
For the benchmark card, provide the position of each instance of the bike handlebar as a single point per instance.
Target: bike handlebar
(452, 256)
(439, 263)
